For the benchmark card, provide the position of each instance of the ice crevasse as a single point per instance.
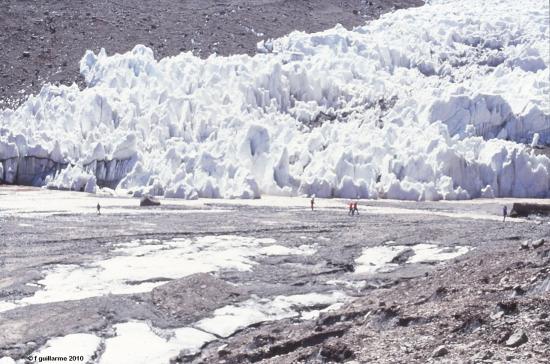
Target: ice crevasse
(445, 101)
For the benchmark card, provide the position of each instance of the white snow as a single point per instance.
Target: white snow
(422, 101)
(378, 259)
(139, 266)
(314, 314)
(6, 306)
(283, 250)
(28, 202)
(432, 253)
(70, 345)
(139, 343)
(357, 285)
(229, 319)
(375, 258)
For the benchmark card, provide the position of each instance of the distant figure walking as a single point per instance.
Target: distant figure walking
(312, 202)
(355, 209)
(504, 213)
(351, 210)
(98, 209)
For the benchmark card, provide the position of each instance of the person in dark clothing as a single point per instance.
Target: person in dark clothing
(355, 209)
(504, 213)
(351, 210)
(312, 202)
(98, 209)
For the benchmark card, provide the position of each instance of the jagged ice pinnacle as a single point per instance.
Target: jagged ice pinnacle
(444, 101)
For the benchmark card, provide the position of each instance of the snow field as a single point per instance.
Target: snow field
(139, 342)
(227, 320)
(74, 344)
(379, 259)
(140, 266)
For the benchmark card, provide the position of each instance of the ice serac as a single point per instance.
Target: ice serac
(437, 102)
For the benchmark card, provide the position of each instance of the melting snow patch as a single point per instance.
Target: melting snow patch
(229, 319)
(376, 258)
(138, 343)
(283, 250)
(355, 285)
(434, 253)
(7, 360)
(84, 345)
(6, 306)
(381, 259)
(139, 266)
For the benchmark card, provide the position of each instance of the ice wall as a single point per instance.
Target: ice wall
(436, 102)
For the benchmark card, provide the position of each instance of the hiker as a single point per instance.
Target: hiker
(312, 202)
(355, 209)
(351, 210)
(98, 209)
(504, 213)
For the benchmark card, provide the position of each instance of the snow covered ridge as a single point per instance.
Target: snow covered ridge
(436, 102)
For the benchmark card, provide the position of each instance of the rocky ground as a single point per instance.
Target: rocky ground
(488, 305)
(492, 307)
(43, 41)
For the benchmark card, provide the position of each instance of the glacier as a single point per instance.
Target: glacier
(446, 101)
